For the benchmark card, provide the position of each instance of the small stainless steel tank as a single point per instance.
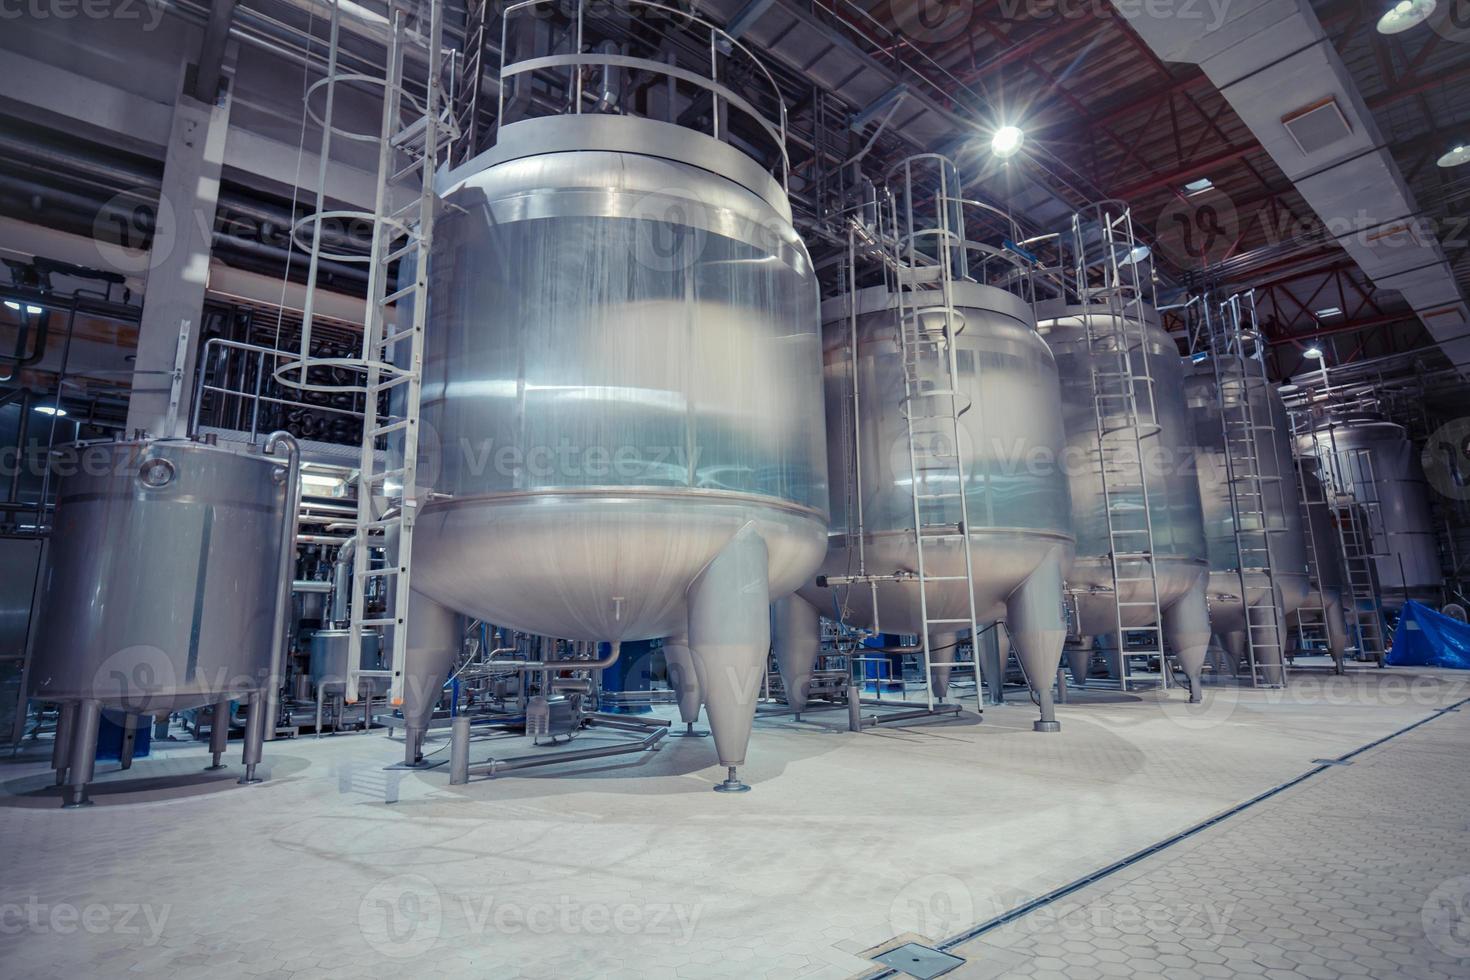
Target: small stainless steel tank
(168, 581)
(1373, 461)
(1281, 507)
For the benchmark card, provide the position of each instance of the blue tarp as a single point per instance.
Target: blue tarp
(1425, 638)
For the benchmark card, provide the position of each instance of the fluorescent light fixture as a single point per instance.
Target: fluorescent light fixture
(11, 304)
(51, 410)
(1404, 15)
(1459, 155)
(1006, 141)
(34, 310)
(1313, 353)
(1330, 311)
(1195, 186)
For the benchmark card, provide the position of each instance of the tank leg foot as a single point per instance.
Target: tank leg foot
(732, 784)
(254, 737)
(689, 732)
(219, 734)
(82, 761)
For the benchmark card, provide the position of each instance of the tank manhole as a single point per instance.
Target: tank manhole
(918, 961)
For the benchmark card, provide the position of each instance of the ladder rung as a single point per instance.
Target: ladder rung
(393, 338)
(384, 430)
(377, 622)
(398, 294)
(390, 384)
(935, 622)
(378, 572)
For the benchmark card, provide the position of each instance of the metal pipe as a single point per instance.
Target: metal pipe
(274, 443)
(655, 732)
(527, 665)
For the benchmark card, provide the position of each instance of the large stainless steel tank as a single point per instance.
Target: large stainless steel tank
(1373, 461)
(1326, 551)
(1016, 490)
(619, 391)
(1180, 563)
(167, 585)
(1286, 533)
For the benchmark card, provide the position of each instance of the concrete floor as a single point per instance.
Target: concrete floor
(849, 845)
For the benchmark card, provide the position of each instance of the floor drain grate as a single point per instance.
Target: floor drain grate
(919, 961)
(1331, 762)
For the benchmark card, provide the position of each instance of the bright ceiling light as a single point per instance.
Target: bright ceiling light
(1006, 141)
(1313, 353)
(1460, 154)
(34, 310)
(1195, 186)
(11, 304)
(1404, 15)
(1329, 311)
(51, 410)
(1139, 254)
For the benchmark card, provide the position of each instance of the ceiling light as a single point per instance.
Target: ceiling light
(51, 410)
(11, 304)
(1137, 255)
(1404, 15)
(1330, 311)
(34, 310)
(1460, 154)
(1195, 186)
(1006, 141)
(1313, 353)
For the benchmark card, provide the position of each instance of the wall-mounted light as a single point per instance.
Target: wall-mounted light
(1006, 141)
(1404, 15)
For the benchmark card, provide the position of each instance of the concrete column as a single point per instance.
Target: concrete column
(178, 261)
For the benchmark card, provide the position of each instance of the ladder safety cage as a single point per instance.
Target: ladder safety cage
(1237, 353)
(1311, 616)
(415, 134)
(1106, 277)
(928, 248)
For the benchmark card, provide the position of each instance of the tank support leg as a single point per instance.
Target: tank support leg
(993, 654)
(798, 642)
(254, 737)
(944, 651)
(219, 734)
(129, 741)
(82, 759)
(1079, 658)
(66, 726)
(1187, 628)
(413, 746)
(685, 681)
(1336, 628)
(729, 634)
(1038, 629)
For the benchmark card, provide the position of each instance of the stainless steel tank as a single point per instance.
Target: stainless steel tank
(1011, 447)
(329, 651)
(619, 393)
(1326, 552)
(167, 586)
(1373, 461)
(1180, 558)
(1285, 532)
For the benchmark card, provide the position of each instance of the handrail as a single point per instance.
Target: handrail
(720, 43)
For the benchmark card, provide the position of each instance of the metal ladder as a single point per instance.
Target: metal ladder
(1124, 419)
(414, 135)
(1355, 508)
(1240, 368)
(1311, 615)
(932, 405)
(477, 15)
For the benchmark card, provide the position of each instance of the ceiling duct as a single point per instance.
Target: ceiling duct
(1264, 55)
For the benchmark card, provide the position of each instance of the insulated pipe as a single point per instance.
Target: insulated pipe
(796, 635)
(729, 636)
(1037, 625)
(684, 679)
(274, 443)
(1187, 628)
